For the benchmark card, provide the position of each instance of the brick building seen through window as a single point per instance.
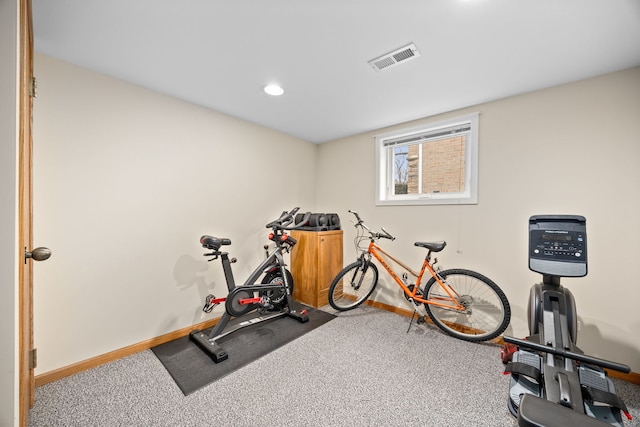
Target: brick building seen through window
(436, 166)
(432, 164)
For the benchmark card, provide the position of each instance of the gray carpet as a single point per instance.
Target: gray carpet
(361, 369)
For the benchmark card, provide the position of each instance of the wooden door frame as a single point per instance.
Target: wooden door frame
(26, 381)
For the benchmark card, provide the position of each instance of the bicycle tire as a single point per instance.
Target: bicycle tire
(488, 312)
(362, 277)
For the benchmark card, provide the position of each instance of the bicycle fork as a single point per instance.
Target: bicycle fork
(365, 258)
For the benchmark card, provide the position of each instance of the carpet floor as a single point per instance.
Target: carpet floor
(361, 369)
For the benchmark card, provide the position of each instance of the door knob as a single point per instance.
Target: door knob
(38, 254)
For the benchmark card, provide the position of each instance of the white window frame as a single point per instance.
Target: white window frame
(384, 166)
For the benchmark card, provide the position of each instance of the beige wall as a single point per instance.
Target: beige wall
(572, 149)
(125, 182)
(8, 213)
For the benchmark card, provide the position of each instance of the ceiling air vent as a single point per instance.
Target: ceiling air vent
(394, 58)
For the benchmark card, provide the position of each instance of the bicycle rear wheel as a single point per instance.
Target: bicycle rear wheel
(487, 312)
(353, 285)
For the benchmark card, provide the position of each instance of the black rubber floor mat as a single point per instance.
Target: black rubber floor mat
(192, 369)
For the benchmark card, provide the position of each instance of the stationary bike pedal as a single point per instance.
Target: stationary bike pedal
(209, 303)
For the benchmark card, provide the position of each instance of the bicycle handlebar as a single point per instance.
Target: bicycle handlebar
(386, 235)
(357, 216)
(360, 223)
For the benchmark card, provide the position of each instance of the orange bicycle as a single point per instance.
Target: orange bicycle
(463, 303)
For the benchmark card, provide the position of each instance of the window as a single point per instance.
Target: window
(433, 164)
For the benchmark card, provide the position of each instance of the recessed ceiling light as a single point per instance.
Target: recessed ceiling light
(274, 90)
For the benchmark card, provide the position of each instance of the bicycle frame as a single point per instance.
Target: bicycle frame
(451, 303)
(463, 303)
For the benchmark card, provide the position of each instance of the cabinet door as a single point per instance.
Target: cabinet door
(315, 260)
(329, 263)
(304, 265)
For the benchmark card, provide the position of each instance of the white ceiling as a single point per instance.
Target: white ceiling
(219, 54)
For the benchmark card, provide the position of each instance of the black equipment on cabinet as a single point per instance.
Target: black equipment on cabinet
(318, 222)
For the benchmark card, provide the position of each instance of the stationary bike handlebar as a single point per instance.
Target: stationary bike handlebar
(374, 235)
(286, 218)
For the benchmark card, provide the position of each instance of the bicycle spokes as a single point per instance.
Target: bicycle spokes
(483, 312)
(353, 285)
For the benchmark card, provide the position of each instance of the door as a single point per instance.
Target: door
(25, 341)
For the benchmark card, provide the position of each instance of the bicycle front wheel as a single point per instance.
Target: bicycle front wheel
(486, 311)
(353, 285)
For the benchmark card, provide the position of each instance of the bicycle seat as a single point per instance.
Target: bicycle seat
(432, 246)
(213, 243)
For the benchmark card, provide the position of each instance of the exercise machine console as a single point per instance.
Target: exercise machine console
(553, 383)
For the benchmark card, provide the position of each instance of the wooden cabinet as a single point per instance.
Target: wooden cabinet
(315, 260)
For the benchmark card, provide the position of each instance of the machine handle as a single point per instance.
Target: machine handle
(285, 219)
(569, 354)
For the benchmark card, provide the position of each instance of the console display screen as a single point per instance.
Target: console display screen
(557, 237)
(558, 245)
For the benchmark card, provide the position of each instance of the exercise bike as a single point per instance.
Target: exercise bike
(271, 298)
(553, 383)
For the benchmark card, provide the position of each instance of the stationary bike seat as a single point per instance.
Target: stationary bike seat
(213, 243)
(432, 246)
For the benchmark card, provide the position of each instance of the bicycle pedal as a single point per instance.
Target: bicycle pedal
(421, 320)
